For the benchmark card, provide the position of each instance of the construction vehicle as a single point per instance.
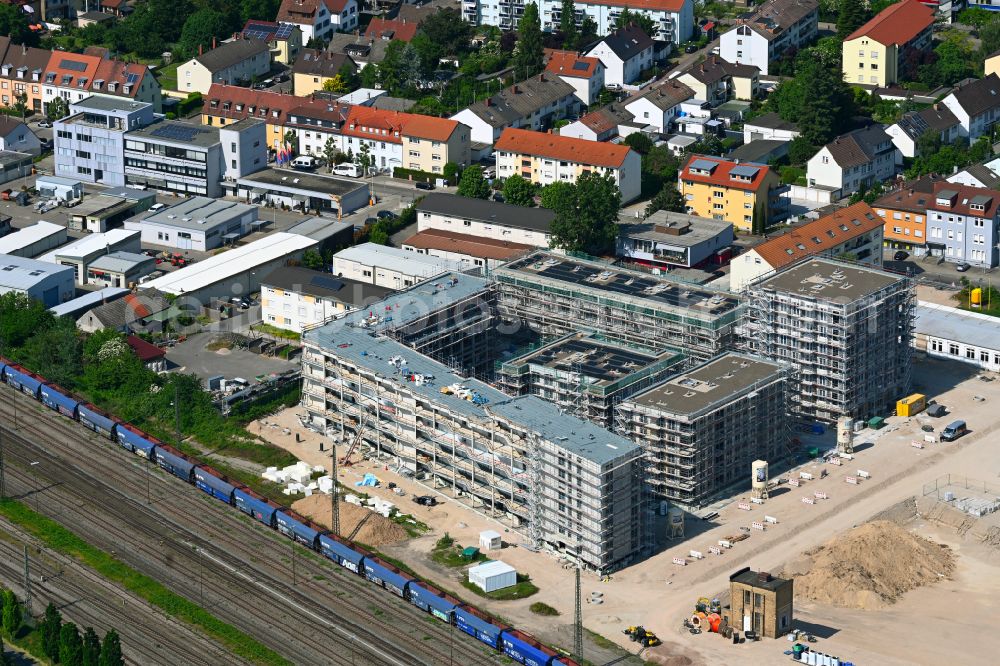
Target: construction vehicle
(642, 636)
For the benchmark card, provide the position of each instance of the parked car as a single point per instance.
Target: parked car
(386, 215)
(45, 124)
(281, 78)
(954, 430)
(962, 267)
(421, 185)
(900, 256)
(690, 48)
(157, 206)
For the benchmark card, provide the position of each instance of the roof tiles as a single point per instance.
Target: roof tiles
(565, 148)
(896, 24)
(722, 172)
(819, 236)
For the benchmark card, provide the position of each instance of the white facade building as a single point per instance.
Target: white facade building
(196, 223)
(389, 267)
(657, 107)
(39, 280)
(625, 53)
(976, 105)
(90, 142)
(769, 127)
(485, 219)
(767, 32)
(295, 298)
(319, 18)
(957, 335)
(80, 253)
(854, 161)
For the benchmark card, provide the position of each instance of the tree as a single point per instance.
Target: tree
(567, 24)
(627, 17)
(14, 24)
(472, 184)
(364, 158)
(519, 191)
(450, 172)
(51, 627)
(91, 648)
(70, 646)
(111, 650)
(817, 99)
(668, 198)
(588, 31)
(800, 150)
(447, 28)
(639, 142)
(312, 259)
(57, 109)
(4, 660)
(200, 29)
(558, 195)
(55, 352)
(11, 613)
(21, 104)
(528, 56)
(586, 220)
(330, 152)
(335, 84)
(851, 15)
(989, 36)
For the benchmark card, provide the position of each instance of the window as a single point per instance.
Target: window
(984, 356)
(953, 349)
(936, 345)
(825, 159)
(970, 352)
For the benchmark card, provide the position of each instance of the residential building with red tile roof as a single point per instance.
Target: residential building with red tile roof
(319, 19)
(22, 71)
(884, 50)
(743, 193)
(68, 75)
(854, 233)
(586, 75)
(225, 105)
(134, 81)
(388, 29)
(904, 212)
(548, 158)
(407, 140)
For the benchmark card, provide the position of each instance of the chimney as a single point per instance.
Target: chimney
(213, 42)
(200, 49)
(763, 577)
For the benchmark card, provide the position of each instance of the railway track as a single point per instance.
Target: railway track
(225, 539)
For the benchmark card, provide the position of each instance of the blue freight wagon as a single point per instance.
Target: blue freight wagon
(213, 483)
(432, 600)
(93, 418)
(341, 553)
(59, 400)
(175, 462)
(295, 527)
(22, 380)
(255, 506)
(134, 441)
(526, 650)
(470, 621)
(386, 575)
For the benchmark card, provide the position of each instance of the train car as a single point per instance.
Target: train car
(136, 441)
(297, 528)
(214, 483)
(388, 576)
(22, 380)
(432, 600)
(57, 398)
(565, 661)
(175, 462)
(476, 623)
(342, 552)
(97, 420)
(525, 649)
(255, 506)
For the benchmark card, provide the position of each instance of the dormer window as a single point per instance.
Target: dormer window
(226, 106)
(127, 89)
(214, 104)
(239, 107)
(6, 70)
(98, 84)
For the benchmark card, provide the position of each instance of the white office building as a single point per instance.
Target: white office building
(90, 142)
(389, 267)
(198, 223)
(79, 254)
(296, 298)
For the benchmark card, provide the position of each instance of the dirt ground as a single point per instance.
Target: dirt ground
(929, 625)
(376, 529)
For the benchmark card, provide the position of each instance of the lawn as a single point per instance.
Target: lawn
(448, 553)
(522, 590)
(167, 76)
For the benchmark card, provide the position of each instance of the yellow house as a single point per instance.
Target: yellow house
(284, 39)
(425, 143)
(992, 64)
(717, 81)
(225, 105)
(880, 52)
(745, 194)
(314, 67)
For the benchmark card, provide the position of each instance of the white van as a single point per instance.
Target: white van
(347, 169)
(304, 162)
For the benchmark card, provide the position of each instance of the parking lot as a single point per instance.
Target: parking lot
(192, 356)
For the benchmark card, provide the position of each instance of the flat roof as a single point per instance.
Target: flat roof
(404, 261)
(752, 578)
(324, 285)
(120, 262)
(58, 180)
(232, 262)
(27, 236)
(109, 103)
(200, 213)
(301, 182)
(709, 385)
(88, 300)
(829, 280)
(491, 568)
(483, 210)
(13, 158)
(696, 230)
(970, 328)
(22, 273)
(177, 132)
(603, 278)
(100, 203)
(89, 244)
(319, 228)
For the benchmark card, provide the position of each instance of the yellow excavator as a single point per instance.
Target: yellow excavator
(642, 636)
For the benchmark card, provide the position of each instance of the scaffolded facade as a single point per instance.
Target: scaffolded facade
(702, 429)
(556, 295)
(846, 329)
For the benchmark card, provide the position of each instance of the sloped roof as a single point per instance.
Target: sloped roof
(582, 151)
(628, 42)
(978, 96)
(570, 63)
(724, 172)
(915, 123)
(304, 11)
(369, 123)
(820, 235)
(521, 100)
(667, 95)
(144, 350)
(896, 24)
(228, 54)
(772, 121)
(248, 103)
(122, 73)
(400, 29)
(912, 195)
(321, 63)
(131, 308)
(69, 70)
(965, 196)
(857, 147)
(984, 175)
(474, 246)
(774, 17)
(715, 69)
(9, 124)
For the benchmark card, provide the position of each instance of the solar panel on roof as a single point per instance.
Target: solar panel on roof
(580, 66)
(131, 78)
(284, 30)
(73, 65)
(177, 132)
(744, 171)
(331, 283)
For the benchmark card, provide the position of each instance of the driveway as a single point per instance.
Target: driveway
(191, 356)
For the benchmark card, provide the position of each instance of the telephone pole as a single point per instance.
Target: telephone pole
(334, 494)
(3, 481)
(578, 618)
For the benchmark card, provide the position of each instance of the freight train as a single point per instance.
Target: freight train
(518, 645)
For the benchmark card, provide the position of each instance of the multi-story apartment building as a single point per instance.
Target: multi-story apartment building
(314, 67)
(586, 75)
(127, 81)
(319, 19)
(90, 142)
(767, 32)
(882, 51)
(407, 140)
(854, 161)
(845, 330)
(963, 223)
(68, 75)
(587, 376)
(976, 104)
(230, 63)
(485, 219)
(22, 70)
(76, 76)
(702, 429)
(284, 39)
(561, 482)
(904, 214)
(745, 194)
(296, 298)
(717, 81)
(536, 103)
(225, 105)
(315, 123)
(549, 158)
(625, 53)
(673, 19)
(657, 106)
(853, 233)
(555, 295)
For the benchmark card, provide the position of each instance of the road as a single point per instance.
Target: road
(210, 553)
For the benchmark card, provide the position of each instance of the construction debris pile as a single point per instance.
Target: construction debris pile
(376, 530)
(298, 479)
(869, 567)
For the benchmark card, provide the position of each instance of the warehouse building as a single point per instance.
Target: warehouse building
(79, 254)
(957, 335)
(235, 272)
(98, 213)
(846, 330)
(587, 376)
(42, 281)
(303, 191)
(57, 187)
(296, 298)
(702, 429)
(555, 295)
(33, 240)
(390, 267)
(14, 165)
(332, 235)
(198, 223)
(515, 460)
(120, 269)
(472, 252)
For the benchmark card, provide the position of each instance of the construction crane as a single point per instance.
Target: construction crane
(346, 460)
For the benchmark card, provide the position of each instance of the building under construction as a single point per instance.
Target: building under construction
(587, 376)
(555, 295)
(845, 329)
(702, 429)
(558, 480)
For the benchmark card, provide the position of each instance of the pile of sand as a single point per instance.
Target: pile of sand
(869, 567)
(377, 530)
